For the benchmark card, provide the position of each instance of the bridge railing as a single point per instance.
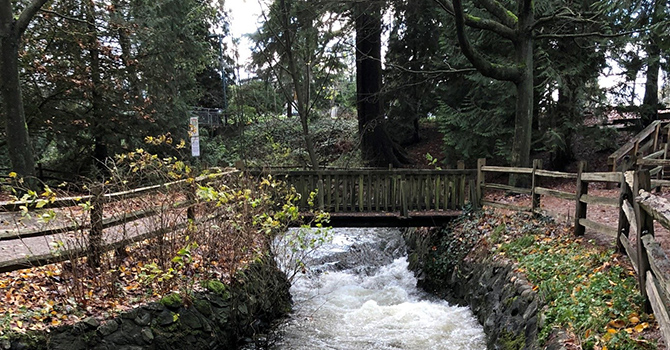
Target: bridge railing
(382, 190)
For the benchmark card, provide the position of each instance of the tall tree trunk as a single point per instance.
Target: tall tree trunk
(16, 128)
(523, 121)
(650, 105)
(301, 87)
(96, 118)
(377, 148)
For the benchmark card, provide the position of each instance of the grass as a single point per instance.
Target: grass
(588, 290)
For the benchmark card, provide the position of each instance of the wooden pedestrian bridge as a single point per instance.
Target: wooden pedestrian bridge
(382, 197)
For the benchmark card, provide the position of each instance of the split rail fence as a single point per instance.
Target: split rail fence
(638, 209)
(96, 222)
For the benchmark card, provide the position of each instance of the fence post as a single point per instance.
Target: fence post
(625, 197)
(535, 198)
(404, 211)
(190, 198)
(580, 207)
(95, 233)
(481, 162)
(320, 189)
(645, 225)
(460, 165)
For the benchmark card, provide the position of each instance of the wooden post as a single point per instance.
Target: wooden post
(625, 197)
(580, 207)
(40, 171)
(480, 180)
(656, 134)
(95, 233)
(461, 189)
(623, 229)
(535, 198)
(645, 225)
(319, 189)
(473, 193)
(404, 211)
(190, 197)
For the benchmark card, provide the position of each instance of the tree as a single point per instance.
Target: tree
(376, 145)
(100, 77)
(13, 23)
(657, 34)
(517, 28)
(301, 45)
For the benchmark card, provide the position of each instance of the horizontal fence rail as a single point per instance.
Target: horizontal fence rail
(638, 209)
(96, 221)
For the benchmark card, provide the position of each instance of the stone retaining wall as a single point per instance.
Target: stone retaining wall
(218, 318)
(501, 299)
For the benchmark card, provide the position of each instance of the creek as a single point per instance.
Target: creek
(356, 293)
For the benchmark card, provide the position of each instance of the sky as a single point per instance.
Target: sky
(243, 16)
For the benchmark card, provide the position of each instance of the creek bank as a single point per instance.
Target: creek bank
(220, 317)
(502, 299)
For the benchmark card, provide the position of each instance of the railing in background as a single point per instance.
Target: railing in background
(649, 144)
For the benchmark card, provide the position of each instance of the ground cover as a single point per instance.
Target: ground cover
(590, 290)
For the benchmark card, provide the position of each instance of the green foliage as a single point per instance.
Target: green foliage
(480, 125)
(279, 141)
(586, 293)
(453, 246)
(98, 77)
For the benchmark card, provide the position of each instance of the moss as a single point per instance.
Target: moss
(172, 301)
(512, 16)
(508, 341)
(473, 18)
(216, 287)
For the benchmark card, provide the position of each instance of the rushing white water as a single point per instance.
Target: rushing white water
(363, 306)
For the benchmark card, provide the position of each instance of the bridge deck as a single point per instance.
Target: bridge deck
(387, 219)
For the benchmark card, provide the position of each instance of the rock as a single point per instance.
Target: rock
(190, 320)
(142, 318)
(147, 335)
(91, 322)
(108, 328)
(166, 318)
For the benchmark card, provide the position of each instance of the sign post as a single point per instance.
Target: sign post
(195, 137)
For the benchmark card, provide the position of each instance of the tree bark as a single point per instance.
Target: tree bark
(523, 121)
(377, 147)
(16, 128)
(98, 131)
(650, 105)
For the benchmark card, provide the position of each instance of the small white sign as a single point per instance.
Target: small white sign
(195, 146)
(194, 132)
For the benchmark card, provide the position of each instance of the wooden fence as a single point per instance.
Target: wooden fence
(382, 190)
(100, 202)
(638, 209)
(648, 146)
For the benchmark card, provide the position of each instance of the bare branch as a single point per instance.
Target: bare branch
(69, 18)
(586, 35)
(433, 72)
